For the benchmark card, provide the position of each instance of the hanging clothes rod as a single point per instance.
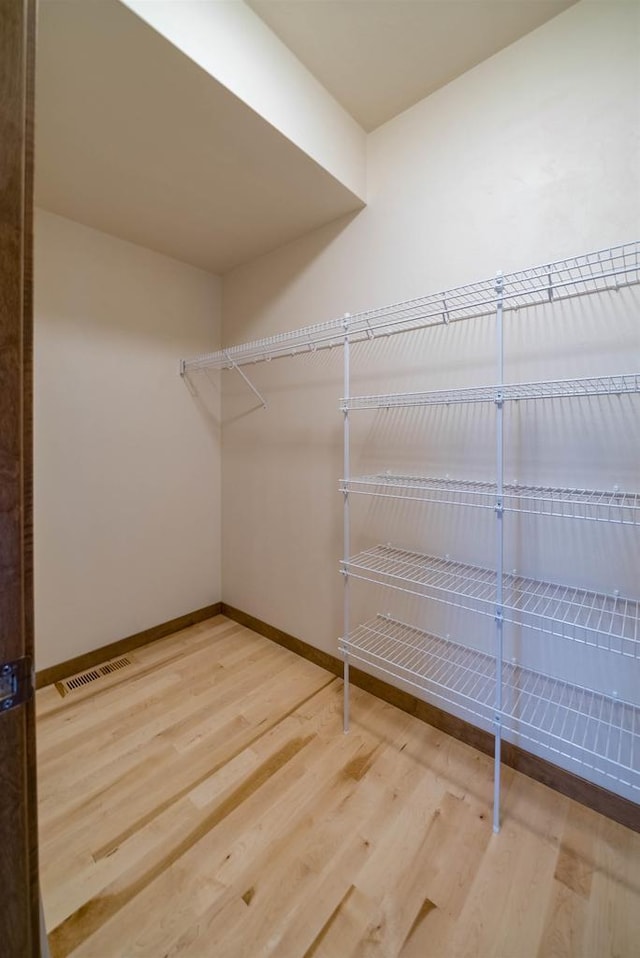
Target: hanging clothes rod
(605, 269)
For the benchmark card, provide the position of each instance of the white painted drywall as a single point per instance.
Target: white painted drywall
(228, 40)
(532, 156)
(127, 462)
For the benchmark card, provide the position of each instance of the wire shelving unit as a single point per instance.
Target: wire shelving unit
(595, 732)
(577, 725)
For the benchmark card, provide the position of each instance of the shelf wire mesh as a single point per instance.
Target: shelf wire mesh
(598, 731)
(607, 269)
(592, 504)
(607, 622)
(615, 385)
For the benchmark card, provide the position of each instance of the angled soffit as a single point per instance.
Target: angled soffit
(136, 139)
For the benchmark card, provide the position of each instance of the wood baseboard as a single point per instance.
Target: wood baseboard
(600, 799)
(56, 673)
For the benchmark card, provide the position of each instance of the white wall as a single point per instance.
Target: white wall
(127, 486)
(532, 156)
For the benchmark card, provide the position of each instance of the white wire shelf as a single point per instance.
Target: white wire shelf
(609, 622)
(549, 389)
(592, 504)
(599, 732)
(607, 269)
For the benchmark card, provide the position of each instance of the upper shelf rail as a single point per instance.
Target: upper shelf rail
(606, 269)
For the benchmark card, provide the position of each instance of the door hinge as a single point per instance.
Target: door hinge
(16, 683)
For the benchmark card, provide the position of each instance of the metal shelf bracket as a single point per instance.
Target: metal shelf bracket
(234, 365)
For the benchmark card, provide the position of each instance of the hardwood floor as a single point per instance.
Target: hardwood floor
(204, 802)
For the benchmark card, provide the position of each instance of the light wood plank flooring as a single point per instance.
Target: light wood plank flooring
(205, 802)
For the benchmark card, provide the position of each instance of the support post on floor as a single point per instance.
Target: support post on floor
(346, 519)
(499, 512)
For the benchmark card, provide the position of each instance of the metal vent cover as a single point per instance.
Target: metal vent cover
(91, 675)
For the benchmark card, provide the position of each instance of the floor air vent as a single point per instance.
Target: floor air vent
(85, 678)
(115, 666)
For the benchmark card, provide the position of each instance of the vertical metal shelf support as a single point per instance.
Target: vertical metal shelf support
(346, 516)
(499, 511)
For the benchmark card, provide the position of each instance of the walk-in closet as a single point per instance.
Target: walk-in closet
(320, 479)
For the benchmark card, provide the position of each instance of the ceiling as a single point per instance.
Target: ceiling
(135, 139)
(379, 57)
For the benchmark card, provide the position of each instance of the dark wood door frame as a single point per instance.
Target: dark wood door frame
(19, 895)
